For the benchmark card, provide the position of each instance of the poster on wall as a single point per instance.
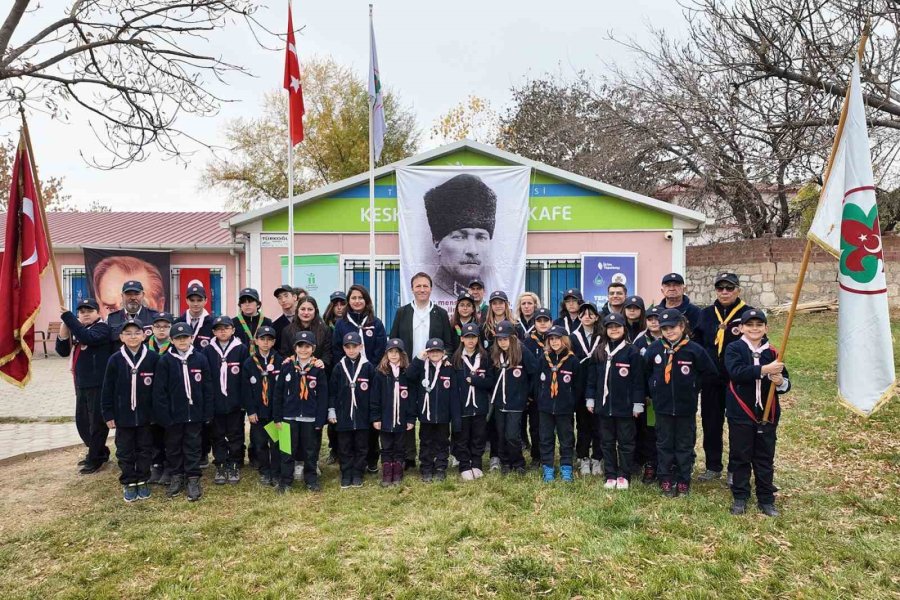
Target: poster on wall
(318, 274)
(600, 270)
(108, 269)
(462, 223)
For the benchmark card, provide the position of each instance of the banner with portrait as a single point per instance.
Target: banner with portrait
(462, 223)
(108, 269)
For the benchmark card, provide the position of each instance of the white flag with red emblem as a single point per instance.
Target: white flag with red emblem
(846, 225)
(292, 84)
(376, 96)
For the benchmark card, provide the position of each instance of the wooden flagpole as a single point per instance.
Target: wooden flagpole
(807, 250)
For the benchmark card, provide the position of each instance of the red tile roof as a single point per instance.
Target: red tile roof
(138, 229)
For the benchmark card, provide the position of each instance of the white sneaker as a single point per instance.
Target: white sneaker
(452, 462)
(298, 470)
(586, 467)
(621, 483)
(477, 473)
(467, 475)
(596, 467)
(610, 484)
(495, 463)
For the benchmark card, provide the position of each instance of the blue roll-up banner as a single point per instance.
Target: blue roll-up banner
(600, 270)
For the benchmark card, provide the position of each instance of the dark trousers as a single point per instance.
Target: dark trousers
(410, 444)
(675, 439)
(183, 442)
(305, 442)
(134, 453)
(491, 436)
(752, 446)
(228, 438)
(434, 446)
(584, 430)
(372, 450)
(469, 441)
(596, 437)
(509, 434)
(555, 427)
(159, 445)
(267, 453)
(393, 446)
(206, 440)
(618, 446)
(353, 446)
(712, 417)
(534, 429)
(332, 438)
(92, 426)
(645, 440)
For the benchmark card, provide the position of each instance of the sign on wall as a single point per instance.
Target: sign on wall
(318, 274)
(600, 270)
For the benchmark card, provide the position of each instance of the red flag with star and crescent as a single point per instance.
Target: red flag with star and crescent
(25, 258)
(292, 84)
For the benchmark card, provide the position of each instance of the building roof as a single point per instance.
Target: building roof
(137, 230)
(693, 217)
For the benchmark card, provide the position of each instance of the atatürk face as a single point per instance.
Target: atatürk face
(463, 251)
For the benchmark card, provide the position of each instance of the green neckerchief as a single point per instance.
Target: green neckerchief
(251, 335)
(154, 345)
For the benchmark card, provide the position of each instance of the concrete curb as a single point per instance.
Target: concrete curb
(16, 458)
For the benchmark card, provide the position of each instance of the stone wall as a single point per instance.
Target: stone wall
(768, 269)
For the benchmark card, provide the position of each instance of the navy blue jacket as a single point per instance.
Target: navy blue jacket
(288, 403)
(518, 383)
(254, 402)
(94, 352)
(625, 383)
(570, 325)
(253, 324)
(644, 341)
(689, 310)
(340, 397)
(279, 326)
(204, 333)
(115, 320)
(678, 398)
(482, 399)
(443, 406)
(373, 334)
(567, 378)
(170, 402)
(382, 402)
(115, 399)
(708, 325)
(226, 404)
(743, 375)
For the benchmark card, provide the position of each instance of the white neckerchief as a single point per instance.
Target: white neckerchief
(528, 329)
(185, 372)
(588, 351)
(470, 395)
(359, 328)
(501, 382)
(134, 371)
(200, 319)
(223, 368)
(395, 369)
(566, 323)
(639, 336)
(756, 352)
(609, 359)
(429, 385)
(352, 380)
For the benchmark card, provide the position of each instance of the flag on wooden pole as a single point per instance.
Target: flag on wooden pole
(846, 225)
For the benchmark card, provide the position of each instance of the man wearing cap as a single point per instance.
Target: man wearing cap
(415, 323)
(717, 326)
(674, 297)
(287, 299)
(132, 309)
(476, 289)
(86, 338)
(461, 214)
(249, 318)
(197, 316)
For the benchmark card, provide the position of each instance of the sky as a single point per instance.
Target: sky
(432, 54)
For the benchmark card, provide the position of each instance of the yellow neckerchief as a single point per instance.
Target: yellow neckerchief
(723, 324)
(154, 345)
(251, 335)
(671, 351)
(303, 389)
(554, 383)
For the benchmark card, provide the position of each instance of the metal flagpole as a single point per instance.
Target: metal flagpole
(290, 279)
(371, 184)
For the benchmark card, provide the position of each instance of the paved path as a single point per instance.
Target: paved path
(26, 438)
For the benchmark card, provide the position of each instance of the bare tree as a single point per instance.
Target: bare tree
(134, 66)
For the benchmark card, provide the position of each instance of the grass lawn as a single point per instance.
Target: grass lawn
(62, 535)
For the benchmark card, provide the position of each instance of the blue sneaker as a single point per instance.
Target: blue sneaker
(130, 492)
(565, 472)
(549, 473)
(143, 491)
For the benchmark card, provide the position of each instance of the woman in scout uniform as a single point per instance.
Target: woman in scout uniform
(337, 305)
(556, 397)
(393, 410)
(753, 367)
(717, 326)
(526, 306)
(645, 441)
(473, 398)
(260, 371)
(568, 311)
(585, 340)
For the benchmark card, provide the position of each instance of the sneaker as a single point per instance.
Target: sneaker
(176, 486)
(769, 510)
(165, 478)
(495, 463)
(193, 489)
(549, 473)
(221, 475)
(357, 481)
(565, 473)
(596, 467)
(315, 486)
(467, 475)
(610, 484)
(683, 488)
(478, 473)
(372, 468)
(298, 470)
(666, 489)
(452, 462)
(621, 483)
(265, 480)
(649, 474)
(156, 472)
(90, 469)
(234, 475)
(709, 475)
(346, 482)
(440, 475)
(739, 507)
(585, 467)
(427, 477)
(504, 469)
(331, 459)
(520, 470)
(129, 492)
(143, 491)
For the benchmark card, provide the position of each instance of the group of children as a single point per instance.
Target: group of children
(629, 379)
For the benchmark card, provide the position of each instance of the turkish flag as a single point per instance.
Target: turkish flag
(25, 258)
(292, 84)
(190, 276)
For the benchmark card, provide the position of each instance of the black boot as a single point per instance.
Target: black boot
(176, 486)
(193, 489)
(769, 510)
(739, 507)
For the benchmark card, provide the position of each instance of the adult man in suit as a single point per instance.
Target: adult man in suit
(415, 323)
